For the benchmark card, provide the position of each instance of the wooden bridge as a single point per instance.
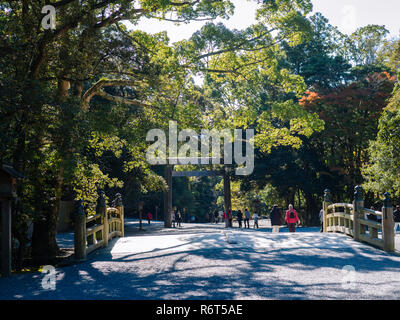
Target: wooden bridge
(95, 231)
(351, 219)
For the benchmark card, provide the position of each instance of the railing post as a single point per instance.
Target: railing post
(387, 224)
(168, 197)
(104, 217)
(358, 204)
(327, 201)
(80, 233)
(120, 207)
(105, 228)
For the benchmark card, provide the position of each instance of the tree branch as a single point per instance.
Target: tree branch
(95, 89)
(237, 47)
(133, 39)
(125, 100)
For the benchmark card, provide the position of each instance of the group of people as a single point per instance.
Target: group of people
(246, 219)
(176, 218)
(291, 218)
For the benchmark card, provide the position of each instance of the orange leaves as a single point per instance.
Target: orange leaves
(309, 98)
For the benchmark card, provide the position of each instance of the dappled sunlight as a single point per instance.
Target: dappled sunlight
(192, 263)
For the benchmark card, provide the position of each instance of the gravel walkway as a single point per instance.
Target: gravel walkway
(197, 262)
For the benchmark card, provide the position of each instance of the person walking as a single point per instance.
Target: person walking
(321, 219)
(247, 218)
(396, 217)
(255, 217)
(173, 217)
(292, 218)
(240, 218)
(179, 218)
(216, 216)
(275, 216)
(149, 217)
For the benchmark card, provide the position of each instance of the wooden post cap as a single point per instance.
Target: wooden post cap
(358, 193)
(327, 195)
(387, 203)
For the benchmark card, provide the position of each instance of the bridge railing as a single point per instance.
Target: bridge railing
(352, 219)
(340, 218)
(95, 231)
(374, 228)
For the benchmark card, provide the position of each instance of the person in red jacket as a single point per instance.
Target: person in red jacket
(149, 217)
(292, 218)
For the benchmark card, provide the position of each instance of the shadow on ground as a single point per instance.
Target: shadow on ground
(183, 264)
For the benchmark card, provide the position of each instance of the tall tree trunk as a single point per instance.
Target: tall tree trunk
(312, 209)
(44, 238)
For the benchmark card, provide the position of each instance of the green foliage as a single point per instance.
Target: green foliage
(389, 55)
(88, 179)
(321, 61)
(382, 171)
(365, 43)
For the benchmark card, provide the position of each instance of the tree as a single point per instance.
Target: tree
(381, 172)
(351, 115)
(365, 43)
(76, 98)
(320, 60)
(52, 81)
(389, 55)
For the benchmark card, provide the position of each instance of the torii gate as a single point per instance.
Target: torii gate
(170, 173)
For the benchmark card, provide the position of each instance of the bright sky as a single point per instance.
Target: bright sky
(348, 15)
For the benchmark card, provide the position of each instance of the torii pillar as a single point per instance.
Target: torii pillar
(168, 197)
(227, 191)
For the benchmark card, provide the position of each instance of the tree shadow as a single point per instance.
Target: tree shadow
(204, 266)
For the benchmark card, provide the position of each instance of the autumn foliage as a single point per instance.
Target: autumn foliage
(351, 113)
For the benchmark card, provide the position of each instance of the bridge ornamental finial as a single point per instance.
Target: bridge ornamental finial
(358, 193)
(327, 195)
(118, 200)
(387, 203)
(80, 210)
(101, 201)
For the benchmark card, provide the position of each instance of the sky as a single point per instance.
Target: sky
(347, 15)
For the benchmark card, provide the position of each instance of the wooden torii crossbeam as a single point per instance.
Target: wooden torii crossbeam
(197, 173)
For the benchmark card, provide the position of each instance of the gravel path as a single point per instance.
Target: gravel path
(197, 262)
